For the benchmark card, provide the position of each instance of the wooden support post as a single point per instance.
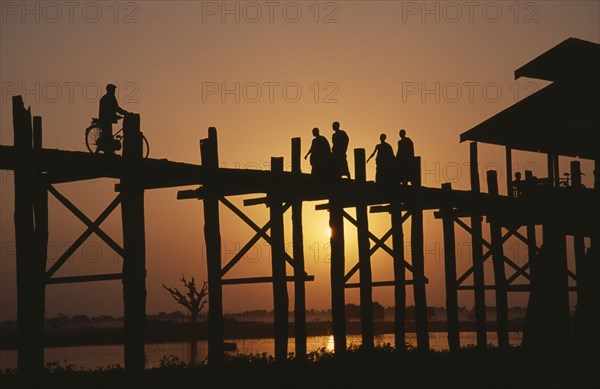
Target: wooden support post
(336, 224)
(578, 241)
(280, 295)
(579, 325)
(578, 236)
(509, 173)
(364, 256)
(30, 283)
(499, 272)
(532, 252)
(418, 262)
(554, 323)
(450, 273)
(212, 237)
(298, 252)
(40, 208)
(134, 246)
(477, 254)
(534, 292)
(399, 277)
(531, 238)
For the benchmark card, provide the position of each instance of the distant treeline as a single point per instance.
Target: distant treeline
(64, 330)
(263, 315)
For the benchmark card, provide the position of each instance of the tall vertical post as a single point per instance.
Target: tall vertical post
(298, 252)
(553, 279)
(280, 295)
(338, 260)
(364, 256)
(499, 271)
(134, 245)
(450, 276)
(581, 323)
(578, 242)
(30, 295)
(477, 254)
(533, 306)
(418, 263)
(212, 237)
(399, 277)
(509, 173)
(40, 208)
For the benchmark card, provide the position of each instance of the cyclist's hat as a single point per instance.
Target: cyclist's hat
(111, 87)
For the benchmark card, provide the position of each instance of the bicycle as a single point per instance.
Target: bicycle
(94, 132)
(566, 182)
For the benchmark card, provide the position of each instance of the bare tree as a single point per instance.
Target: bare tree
(193, 300)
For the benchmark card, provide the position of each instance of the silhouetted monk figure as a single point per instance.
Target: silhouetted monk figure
(384, 160)
(340, 141)
(320, 155)
(405, 158)
(109, 108)
(517, 185)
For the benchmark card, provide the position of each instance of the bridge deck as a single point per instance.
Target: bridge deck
(68, 166)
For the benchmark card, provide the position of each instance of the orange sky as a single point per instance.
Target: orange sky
(375, 66)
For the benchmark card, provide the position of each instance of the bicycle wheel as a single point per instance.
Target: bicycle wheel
(145, 147)
(92, 134)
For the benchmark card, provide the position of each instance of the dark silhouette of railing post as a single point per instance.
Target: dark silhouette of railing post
(418, 263)
(477, 254)
(280, 295)
(509, 173)
(298, 252)
(450, 273)
(212, 237)
(556, 170)
(336, 224)
(499, 272)
(553, 171)
(364, 256)
(134, 245)
(29, 241)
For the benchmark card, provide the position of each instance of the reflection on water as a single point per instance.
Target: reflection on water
(330, 346)
(92, 357)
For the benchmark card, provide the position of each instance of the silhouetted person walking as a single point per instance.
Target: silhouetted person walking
(405, 158)
(384, 160)
(109, 108)
(340, 142)
(320, 155)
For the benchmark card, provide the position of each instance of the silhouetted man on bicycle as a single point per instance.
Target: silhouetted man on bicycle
(109, 108)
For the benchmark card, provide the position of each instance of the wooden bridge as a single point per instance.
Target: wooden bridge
(560, 211)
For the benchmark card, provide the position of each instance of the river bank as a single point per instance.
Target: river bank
(383, 367)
